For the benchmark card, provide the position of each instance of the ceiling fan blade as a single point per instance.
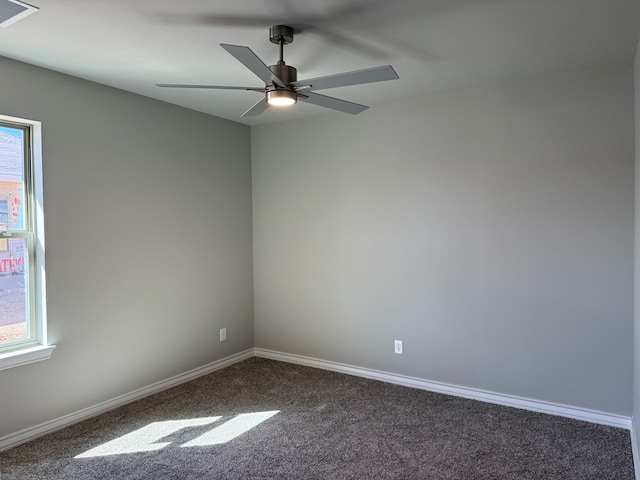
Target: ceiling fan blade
(257, 109)
(250, 60)
(357, 77)
(212, 19)
(328, 25)
(332, 103)
(336, 38)
(216, 87)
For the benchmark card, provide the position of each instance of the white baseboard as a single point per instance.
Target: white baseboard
(28, 434)
(482, 395)
(31, 433)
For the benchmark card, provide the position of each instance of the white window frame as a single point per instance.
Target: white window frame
(36, 347)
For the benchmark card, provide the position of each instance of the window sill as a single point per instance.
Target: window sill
(25, 356)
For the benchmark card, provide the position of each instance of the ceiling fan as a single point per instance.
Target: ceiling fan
(282, 86)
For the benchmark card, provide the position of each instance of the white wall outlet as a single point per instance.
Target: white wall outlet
(223, 334)
(397, 346)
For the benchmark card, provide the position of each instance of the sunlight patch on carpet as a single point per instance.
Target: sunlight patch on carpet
(231, 429)
(146, 438)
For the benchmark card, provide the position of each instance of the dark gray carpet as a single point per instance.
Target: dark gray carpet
(330, 426)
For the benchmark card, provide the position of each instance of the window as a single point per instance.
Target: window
(23, 333)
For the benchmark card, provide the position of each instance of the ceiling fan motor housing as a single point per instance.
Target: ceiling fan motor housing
(277, 95)
(285, 73)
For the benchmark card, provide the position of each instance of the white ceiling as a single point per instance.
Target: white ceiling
(434, 45)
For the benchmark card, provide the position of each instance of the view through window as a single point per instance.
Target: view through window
(15, 324)
(22, 311)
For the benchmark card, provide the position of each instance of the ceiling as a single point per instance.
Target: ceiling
(434, 45)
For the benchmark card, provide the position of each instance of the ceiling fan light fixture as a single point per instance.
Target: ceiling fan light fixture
(281, 98)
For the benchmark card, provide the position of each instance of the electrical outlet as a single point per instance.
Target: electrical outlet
(223, 334)
(397, 346)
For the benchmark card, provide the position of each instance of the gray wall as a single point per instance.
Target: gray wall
(148, 229)
(489, 229)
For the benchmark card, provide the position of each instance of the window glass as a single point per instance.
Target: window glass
(22, 319)
(14, 324)
(12, 177)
